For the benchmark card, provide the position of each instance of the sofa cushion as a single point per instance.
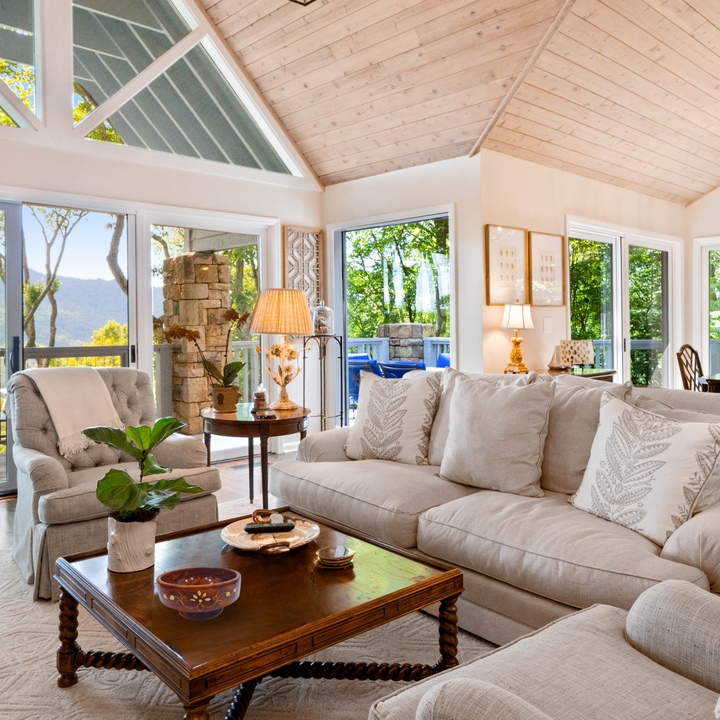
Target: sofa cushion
(574, 418)
(646, 471)
(380, 498)
(546, 546)
(497, 435)
(78, 502)
(710, 494)
(394, 418)
(580, 666)
(441, 424)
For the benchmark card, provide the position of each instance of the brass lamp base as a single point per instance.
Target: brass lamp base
(516, 364)
(284, 403)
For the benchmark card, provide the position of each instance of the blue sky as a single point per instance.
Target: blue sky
(85, 252)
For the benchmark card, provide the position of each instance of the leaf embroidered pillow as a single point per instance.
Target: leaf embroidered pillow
(646, 471)
(394, 418)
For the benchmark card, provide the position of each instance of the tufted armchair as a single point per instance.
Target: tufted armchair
(57, 512)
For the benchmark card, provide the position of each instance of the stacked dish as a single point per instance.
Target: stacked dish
(335, 558)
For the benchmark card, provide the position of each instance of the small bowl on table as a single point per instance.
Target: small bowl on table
(199, 593)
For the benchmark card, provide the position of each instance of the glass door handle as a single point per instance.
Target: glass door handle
(15, 355)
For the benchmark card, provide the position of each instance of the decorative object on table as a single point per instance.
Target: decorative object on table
(577, 352)
(338, 557)
(199, 593)
(323, 322)
(262, 521)
(516, 317)
(323, 341)
(547, 269)
(303, 533)
(282, 312)
(556, 362)
(505, 264)
(135, 505)
(260, 399)
(303, 263)
(225, 393)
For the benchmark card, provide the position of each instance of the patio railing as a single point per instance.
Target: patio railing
(377, 348)
(432, 347)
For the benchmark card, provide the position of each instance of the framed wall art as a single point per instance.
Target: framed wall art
(505, 264)
(547, 269)
(303, 262)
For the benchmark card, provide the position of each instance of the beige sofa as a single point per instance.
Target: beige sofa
(526, 561)
(659, 661)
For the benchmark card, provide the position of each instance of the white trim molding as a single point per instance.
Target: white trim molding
(701, 296)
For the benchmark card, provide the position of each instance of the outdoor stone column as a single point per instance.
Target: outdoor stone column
(406, 340)
(196, 287)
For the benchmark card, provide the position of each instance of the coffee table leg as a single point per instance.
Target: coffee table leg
(197, 711)
(241, 701)
(68, 650)
(264, 469)
(448, 634)
(251, 467)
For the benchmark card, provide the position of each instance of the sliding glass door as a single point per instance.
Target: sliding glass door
(65, 291)
(620, 298)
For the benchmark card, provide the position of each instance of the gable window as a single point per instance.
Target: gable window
(17, 59)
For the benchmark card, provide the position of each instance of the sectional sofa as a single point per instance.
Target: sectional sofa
(527, 561)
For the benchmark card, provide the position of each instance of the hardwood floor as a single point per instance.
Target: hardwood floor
(233, 497)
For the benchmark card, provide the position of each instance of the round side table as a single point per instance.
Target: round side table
(245, 425)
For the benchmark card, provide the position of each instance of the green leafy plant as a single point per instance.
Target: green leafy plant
(141, 501)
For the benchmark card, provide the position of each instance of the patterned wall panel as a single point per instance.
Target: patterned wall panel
(303, 260)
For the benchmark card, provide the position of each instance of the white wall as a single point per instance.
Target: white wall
(522, 194)
(408, 191)
(55, 170)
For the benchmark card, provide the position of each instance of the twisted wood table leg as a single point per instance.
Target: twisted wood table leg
(197, 711)
(448, 634)
(241, 701)
(68, 649)
(354, 671)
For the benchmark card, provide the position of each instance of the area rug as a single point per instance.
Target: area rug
(28, 688)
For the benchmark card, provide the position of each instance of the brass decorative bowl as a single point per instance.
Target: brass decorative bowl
(199, 593)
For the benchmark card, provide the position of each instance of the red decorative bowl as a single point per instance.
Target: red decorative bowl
(199, 593)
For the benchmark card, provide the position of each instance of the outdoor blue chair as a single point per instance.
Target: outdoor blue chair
(355, 367)
(443, 360)
(398, 368)
(358, 356)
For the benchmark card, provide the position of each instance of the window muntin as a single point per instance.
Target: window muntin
(17, 53)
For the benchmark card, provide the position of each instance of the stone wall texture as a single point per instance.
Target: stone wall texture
(406, 340)
(196, 288)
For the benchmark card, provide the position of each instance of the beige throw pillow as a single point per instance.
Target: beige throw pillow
(497, 434)
(574, 418)
(394, 418)
(441, 424)
(710, 494)
(646, 471)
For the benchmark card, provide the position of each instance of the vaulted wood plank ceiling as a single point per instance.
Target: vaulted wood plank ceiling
(623, 91)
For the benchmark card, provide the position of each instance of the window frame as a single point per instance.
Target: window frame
(701, 301)
(53, 125)
(624, 238)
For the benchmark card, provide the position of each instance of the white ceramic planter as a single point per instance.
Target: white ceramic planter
(131, 546)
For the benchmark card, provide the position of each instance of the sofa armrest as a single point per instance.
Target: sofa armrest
(677, 624)
(325, 446)
(474, 700)
(697, 543)
(181, 452)
(46, 474)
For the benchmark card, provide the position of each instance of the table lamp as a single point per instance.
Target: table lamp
(282, 312)
(515, 318)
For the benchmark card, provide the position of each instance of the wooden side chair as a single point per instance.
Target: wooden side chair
(691, 369)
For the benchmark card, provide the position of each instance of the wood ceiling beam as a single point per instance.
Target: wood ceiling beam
(521, 77)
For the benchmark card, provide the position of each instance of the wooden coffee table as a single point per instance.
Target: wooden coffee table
(287, 609)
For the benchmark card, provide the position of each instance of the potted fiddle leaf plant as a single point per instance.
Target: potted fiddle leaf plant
(135, 505)
(225, 393)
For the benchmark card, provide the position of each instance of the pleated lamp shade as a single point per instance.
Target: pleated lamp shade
(282, 312)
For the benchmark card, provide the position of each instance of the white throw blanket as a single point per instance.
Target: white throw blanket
(77, 398)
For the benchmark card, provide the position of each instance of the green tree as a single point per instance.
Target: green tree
(243, 263)
(21, 79)
(374, 256)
